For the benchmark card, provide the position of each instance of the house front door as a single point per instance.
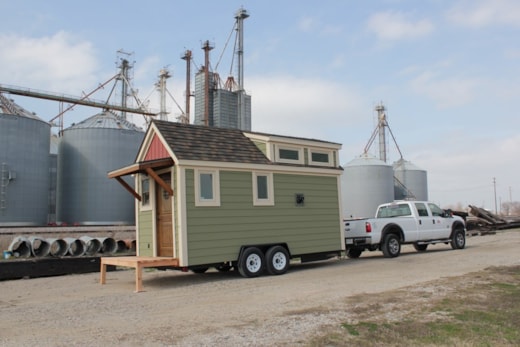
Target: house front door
(164, 219)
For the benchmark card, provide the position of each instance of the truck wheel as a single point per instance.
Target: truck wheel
(277, 260)
(458, 241)
(391, 246)
(251, 263)
(420, 248)
(354, 253)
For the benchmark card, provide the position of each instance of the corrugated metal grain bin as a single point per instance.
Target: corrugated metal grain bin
(366, 183)
(87, 151)
(24, 166)
(412, 182)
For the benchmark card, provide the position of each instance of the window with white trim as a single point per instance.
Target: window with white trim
(263, 192)
(321, 158)
(286, 154)
(207, 187)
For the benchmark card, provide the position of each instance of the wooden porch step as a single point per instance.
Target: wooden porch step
(138, 263)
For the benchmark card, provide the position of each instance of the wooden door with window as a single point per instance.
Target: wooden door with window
(164, 219)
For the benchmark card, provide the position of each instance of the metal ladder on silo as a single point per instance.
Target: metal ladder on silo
(4, 181)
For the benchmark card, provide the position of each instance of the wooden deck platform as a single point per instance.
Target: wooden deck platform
(138, 263)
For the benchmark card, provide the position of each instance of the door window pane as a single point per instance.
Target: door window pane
(421, 209)
(145, 192)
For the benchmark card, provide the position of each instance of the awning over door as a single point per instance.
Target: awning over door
(147, 167)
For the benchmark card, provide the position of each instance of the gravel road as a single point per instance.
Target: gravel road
(224, 309)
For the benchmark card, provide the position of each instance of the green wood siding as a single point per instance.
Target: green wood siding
(145, 230)
(216, 233)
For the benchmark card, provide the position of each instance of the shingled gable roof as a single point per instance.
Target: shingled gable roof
(195, 142)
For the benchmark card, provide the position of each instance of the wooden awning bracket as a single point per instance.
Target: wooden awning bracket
(146, 167)
(159, 180)
(128, 187)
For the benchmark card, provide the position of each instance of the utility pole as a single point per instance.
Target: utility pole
(206, 46)
(187, 57)
(240, 16)
(495, 190)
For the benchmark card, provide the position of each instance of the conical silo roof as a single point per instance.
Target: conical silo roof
(402, 164)
(10, 107)
(106, 120)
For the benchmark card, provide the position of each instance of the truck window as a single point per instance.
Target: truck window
(436, 210)
(421, 209)
(397, 210)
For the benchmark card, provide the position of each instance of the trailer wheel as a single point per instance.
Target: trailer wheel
(458, 241)
(277, 260)
(354, 253)
(420, 248)
(200, 270)
(391, 246)
(251, 263)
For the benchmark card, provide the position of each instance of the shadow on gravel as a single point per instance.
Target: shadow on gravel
(154, 279)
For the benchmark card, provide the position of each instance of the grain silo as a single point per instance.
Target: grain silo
(366, 183)
(410, 181)
(229, 107)
(87, 151)
(24, 166)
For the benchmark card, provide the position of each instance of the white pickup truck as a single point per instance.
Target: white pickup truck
(419, 223)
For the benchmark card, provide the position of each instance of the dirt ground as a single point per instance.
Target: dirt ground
(224, 309)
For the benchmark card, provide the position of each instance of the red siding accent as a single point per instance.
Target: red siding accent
(156, 150)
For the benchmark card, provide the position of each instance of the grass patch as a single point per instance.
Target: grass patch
(480, 309)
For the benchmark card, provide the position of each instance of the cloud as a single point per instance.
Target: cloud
(311, 24)
(483, 13)
(393, 26)
(307, 24)
(463, 174)
(303, 107)
(60, 62)
(445, 92)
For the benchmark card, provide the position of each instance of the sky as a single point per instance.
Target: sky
(447, 72)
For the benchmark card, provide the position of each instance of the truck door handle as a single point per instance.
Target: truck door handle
(420, 221)
(433, 221)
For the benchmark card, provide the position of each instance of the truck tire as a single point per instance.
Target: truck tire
(391, 246)
(278, 260)
(458, 240)
(251, 262)
(420, 248)
(354, 253)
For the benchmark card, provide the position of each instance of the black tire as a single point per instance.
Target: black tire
(458, 240)
(354, 253)
(200, 270)
(251, 262)
(420, 248)
(277, 260)
(391, 246)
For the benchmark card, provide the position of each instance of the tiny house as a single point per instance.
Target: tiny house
(227, 198)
